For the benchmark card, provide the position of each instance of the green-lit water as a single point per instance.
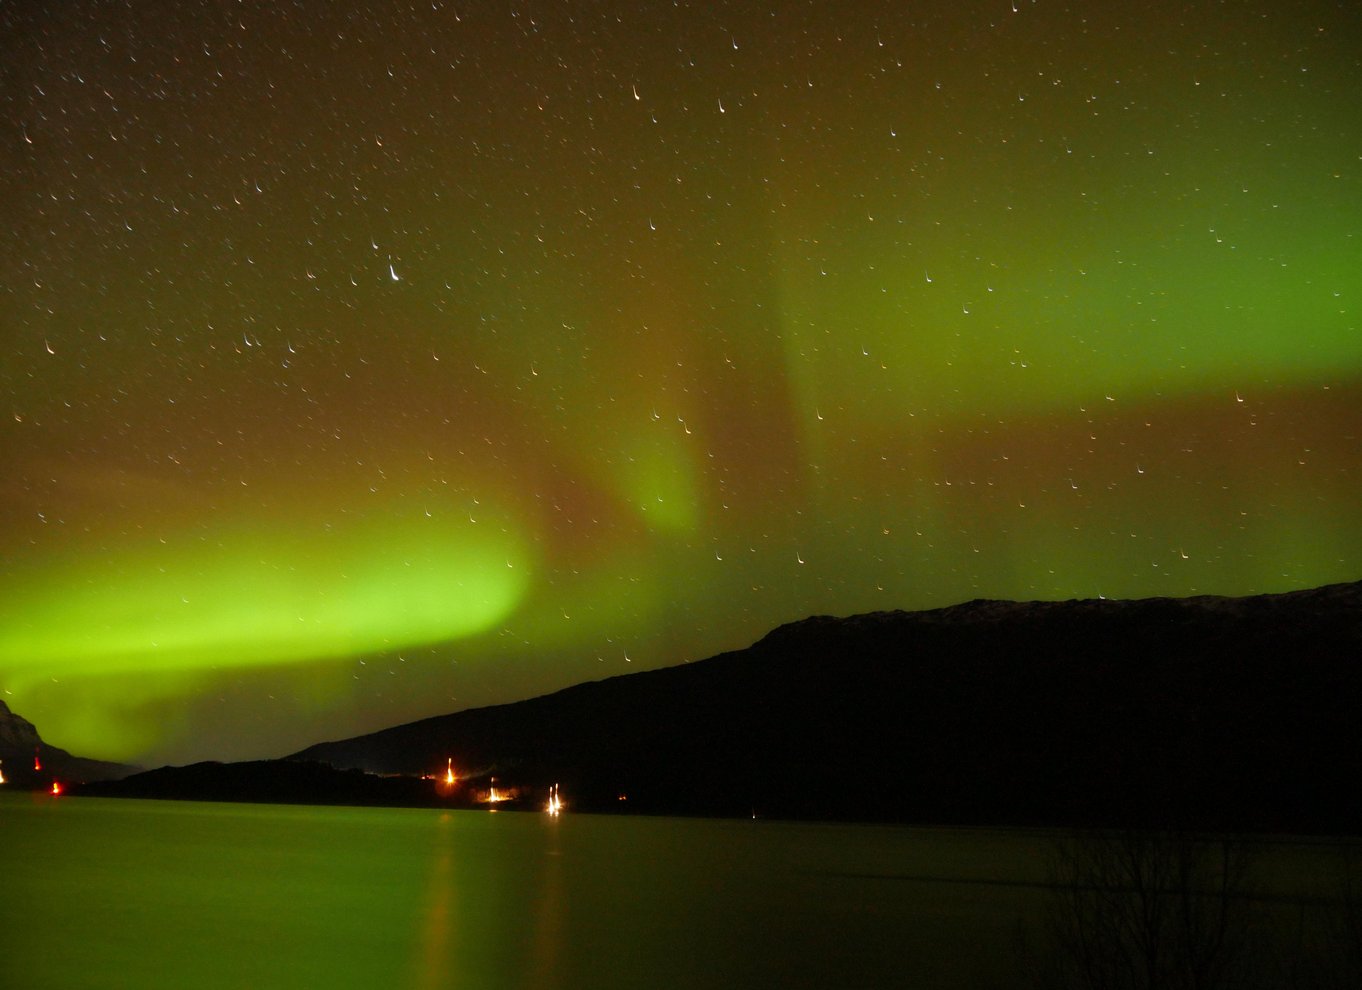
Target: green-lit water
(105, 893)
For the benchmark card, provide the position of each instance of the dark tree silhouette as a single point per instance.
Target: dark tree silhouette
(1147, 911)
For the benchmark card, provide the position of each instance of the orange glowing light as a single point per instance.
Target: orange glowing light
(450, 779)
(555, 806)
(56, 788)
(495, 796)
(2, 776)
(37, 764)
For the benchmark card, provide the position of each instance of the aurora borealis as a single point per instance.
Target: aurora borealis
(365, 362)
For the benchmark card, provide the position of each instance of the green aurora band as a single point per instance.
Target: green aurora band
(360, 370)
(261, 599)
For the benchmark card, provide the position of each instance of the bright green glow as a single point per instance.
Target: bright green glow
(659, 482)
(263, 599)
(101, 652)
(119, 716)
(1032, 323)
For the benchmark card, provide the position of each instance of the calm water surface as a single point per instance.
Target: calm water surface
(114, 893)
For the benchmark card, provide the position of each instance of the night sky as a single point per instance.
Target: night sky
(365, 362)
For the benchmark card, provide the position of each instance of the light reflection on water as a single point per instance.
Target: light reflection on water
(105, 893)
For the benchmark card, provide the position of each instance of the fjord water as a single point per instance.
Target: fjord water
(121, 893)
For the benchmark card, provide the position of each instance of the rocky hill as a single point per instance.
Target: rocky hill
(20, 743)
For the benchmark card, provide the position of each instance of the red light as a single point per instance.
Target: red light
(56, 788)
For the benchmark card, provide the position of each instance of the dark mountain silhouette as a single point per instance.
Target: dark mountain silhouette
(1214, 712)
(1202, 712)
(20, 742)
